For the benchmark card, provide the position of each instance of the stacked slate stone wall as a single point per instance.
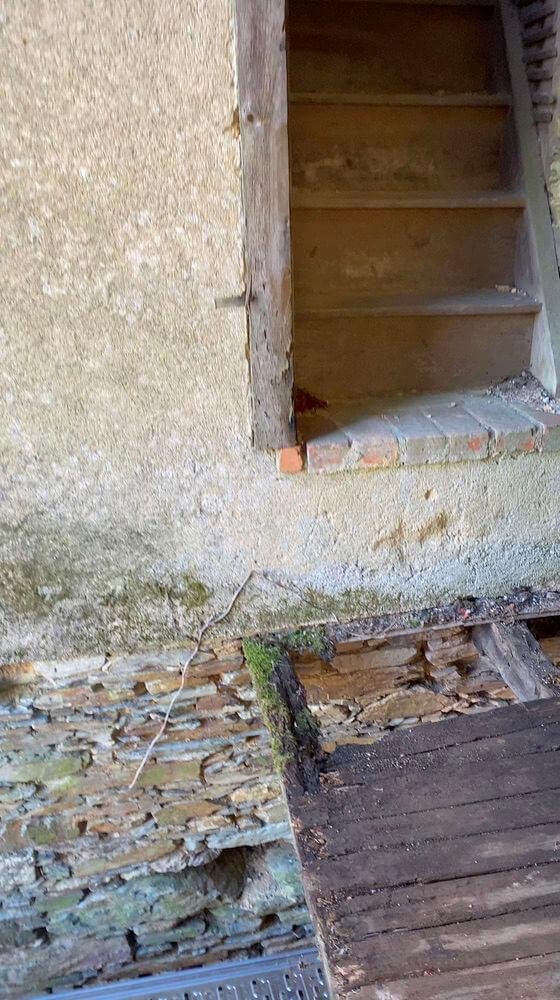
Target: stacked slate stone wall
(193, 864)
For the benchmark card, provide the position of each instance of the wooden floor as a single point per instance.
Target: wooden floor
(432, 859)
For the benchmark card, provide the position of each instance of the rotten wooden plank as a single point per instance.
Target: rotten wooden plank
(409, 907)
(514, 651)
(522, 979)
(433, 856)
(262, 75)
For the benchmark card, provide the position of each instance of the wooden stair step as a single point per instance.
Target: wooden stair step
(419, 251)
(407, 222)
(536, 11)
(482, 302)
(319, 200)
(405, 148)
(348, 357)
(374, 47)
(471, 99)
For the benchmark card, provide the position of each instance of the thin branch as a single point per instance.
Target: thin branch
(190, 656)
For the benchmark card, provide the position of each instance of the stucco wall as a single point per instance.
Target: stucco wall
(132, 501)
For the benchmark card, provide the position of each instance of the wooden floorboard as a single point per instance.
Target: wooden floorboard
(530, 979)
(431, 860)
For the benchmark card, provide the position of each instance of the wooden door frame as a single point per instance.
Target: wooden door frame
(263, 115)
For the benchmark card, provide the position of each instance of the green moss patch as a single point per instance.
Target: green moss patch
(261, 660)
(294, 728)
(311, 639)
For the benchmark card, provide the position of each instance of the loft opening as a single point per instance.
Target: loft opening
(414, 217)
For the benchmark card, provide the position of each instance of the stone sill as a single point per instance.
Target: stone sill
(421, 430)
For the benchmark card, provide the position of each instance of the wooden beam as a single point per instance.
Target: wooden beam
(294, 733)
(263, 103)
(515, 652)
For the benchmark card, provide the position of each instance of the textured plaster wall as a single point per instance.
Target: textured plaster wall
(132, 502)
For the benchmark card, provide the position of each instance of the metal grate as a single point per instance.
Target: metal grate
(296, 976)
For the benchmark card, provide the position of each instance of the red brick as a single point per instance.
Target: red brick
(291, 460)
(466, 437)
(551, 435)
(375, 442)
(420, 439)
(510, 430)
(328, 453)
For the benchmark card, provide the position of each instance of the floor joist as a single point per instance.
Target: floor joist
(520, 659)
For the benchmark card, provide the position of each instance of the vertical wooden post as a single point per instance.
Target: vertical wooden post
(263, 108)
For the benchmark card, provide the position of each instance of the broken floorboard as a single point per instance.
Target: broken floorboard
(521, 660)
(431, 861)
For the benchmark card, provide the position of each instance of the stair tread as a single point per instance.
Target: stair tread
(480, 99)
(303, 199)
(485, 301)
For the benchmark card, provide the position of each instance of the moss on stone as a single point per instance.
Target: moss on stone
(133, 592)
(174, 772)
(30, 588)
(41, 770)
(63, 901)
(317, 609)
(310, 639)
(191, 592)
(261, 659)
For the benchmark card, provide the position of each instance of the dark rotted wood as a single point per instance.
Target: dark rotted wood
(261, 43)
(431, 861)
(515, 652)
(456, 732)
(516, 812)
(446, 902)
(294, 727)
(526, 979)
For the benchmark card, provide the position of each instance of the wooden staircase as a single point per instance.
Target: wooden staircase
(416, 268)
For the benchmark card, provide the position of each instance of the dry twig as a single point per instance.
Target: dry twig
(190, 656)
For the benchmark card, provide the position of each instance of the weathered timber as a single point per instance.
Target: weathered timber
(264, 138)
(523, 664)
(522, 979)
(431, 860)
(294, 733)
(520, 604)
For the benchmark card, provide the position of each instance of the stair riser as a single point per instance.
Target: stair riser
(363, 252)
(341, 47)
(351, 358)
(353, 148)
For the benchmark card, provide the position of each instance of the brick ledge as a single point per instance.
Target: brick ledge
(421, 430)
